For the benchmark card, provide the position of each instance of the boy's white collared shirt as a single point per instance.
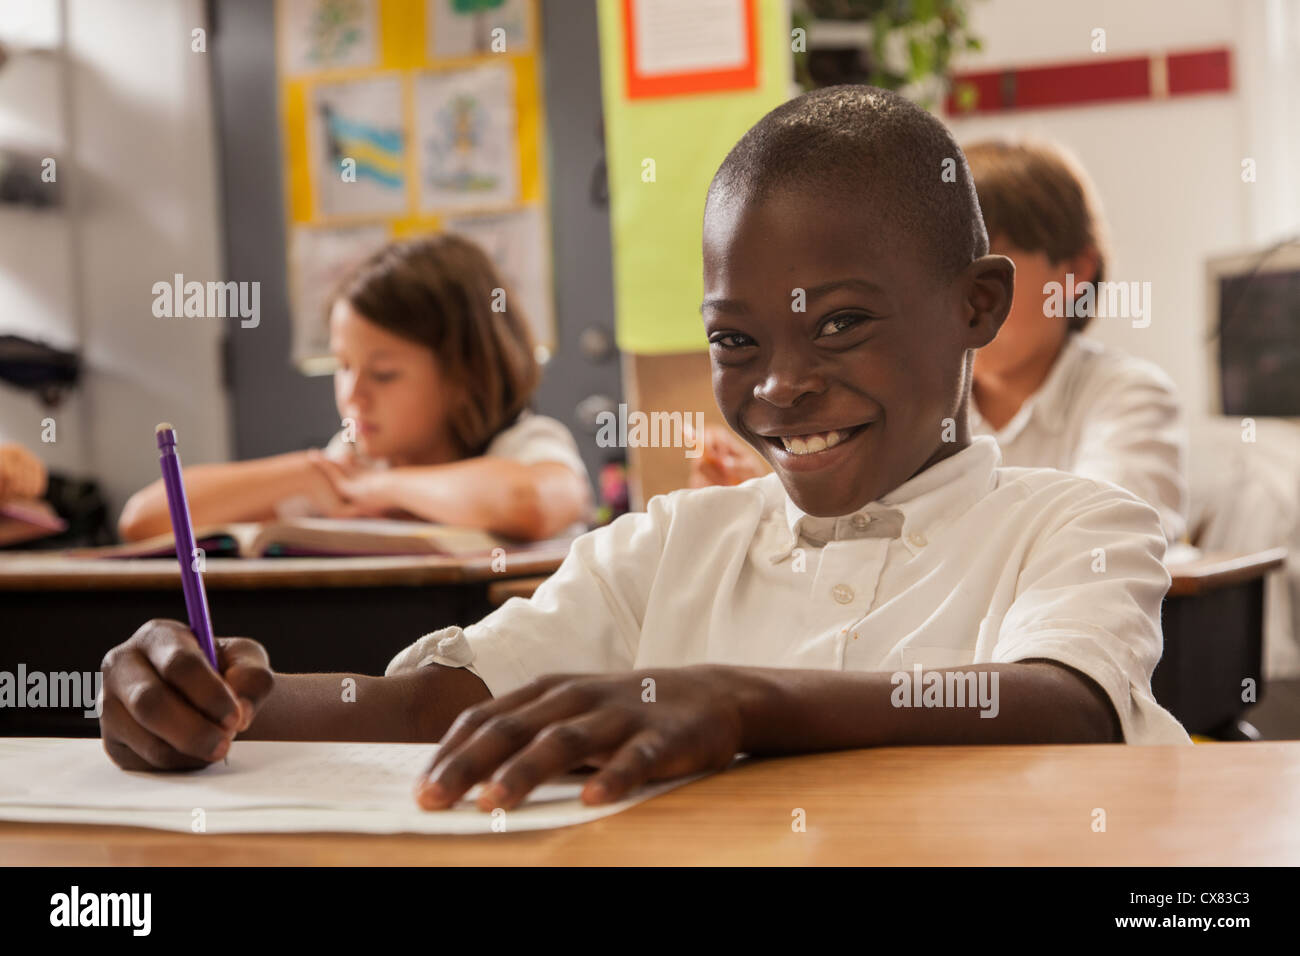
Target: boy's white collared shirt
(1103, 414)
(967, 562)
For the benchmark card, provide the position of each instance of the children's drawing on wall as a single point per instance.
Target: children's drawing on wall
(318, 259)
(477, 27)
(358, 148)
(517, 244)
(465, 129)
(327, 34)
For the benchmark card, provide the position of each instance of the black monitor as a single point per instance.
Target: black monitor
(1254, 315)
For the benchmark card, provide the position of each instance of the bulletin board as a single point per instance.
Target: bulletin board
(682, 80)
(406, 117)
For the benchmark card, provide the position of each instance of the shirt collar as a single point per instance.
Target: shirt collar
(1049, 402)
(914, 510)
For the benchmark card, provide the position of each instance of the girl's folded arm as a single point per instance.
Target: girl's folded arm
(525, 501)
(236, 491)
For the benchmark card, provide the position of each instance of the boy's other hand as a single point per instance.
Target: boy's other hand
(22, 474)
(165, 709)
(559, 723)
(724, 459)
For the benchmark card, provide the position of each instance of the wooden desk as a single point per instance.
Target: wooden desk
(501, 591)
(313, 614)
(1211, 572)
(1207, 805)
(43, 572)
(1213, 624)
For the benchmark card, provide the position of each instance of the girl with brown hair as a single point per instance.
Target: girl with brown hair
(435, 371)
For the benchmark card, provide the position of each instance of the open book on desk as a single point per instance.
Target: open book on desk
(305, 537)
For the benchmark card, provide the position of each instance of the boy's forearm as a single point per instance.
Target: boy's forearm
(414, 707)
(791, 711)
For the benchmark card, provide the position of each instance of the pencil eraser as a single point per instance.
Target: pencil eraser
(163, 427)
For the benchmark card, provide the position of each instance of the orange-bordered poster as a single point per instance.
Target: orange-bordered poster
(679, 47)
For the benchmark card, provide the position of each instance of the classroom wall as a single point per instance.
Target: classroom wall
(581, 252)
(35, 245)
(276, 408)
(140, 113)
(1168, 172)
(128, 118)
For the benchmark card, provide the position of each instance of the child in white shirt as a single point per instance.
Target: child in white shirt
(1051, 397)
(889, 584)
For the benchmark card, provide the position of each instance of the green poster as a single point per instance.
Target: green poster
(656, 207)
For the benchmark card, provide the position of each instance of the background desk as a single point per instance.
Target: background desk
(313, 614)
(1211, 804)
(1213, 624)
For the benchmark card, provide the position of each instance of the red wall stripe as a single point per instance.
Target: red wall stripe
(1103, 80)
(1205, 71)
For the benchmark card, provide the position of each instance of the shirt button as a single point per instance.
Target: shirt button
(861, 521)
(917, 539)
(842, 593)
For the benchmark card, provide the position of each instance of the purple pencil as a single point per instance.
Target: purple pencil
(196, 598)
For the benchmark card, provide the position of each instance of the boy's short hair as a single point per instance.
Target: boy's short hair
(861, 143)
(1037, 197)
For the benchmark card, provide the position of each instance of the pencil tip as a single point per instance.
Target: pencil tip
(163, 427)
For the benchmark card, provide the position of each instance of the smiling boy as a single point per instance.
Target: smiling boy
(785, 614)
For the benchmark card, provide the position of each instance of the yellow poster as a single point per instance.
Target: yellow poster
(401, 117)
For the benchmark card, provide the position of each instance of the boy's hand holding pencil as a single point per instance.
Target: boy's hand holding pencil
(174, 697)
(164, 706)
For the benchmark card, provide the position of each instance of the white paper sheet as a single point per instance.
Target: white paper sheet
(361, 121)
(268, 787)
(517, 244)
(466, 138)
(318, 258)
(453, 33)
(326, 34)
(685, 36)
